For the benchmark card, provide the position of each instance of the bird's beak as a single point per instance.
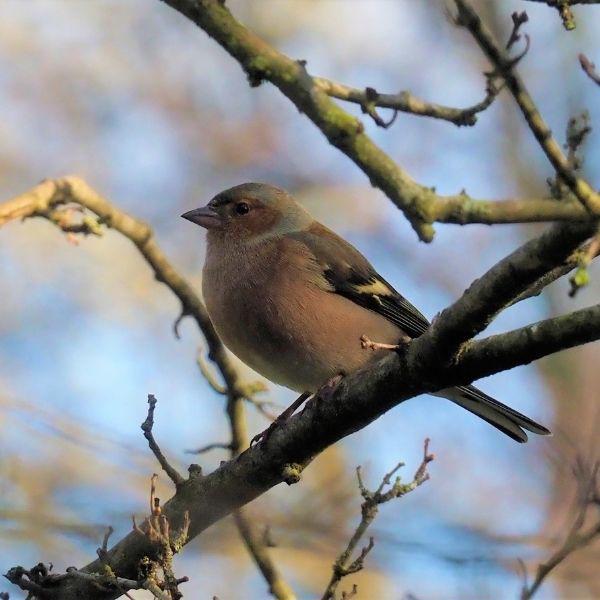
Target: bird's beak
(205, 217)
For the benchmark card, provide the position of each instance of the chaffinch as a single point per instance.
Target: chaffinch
(292, 299)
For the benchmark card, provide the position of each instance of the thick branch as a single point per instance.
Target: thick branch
(344, 131)
(461, 209)
(364, 396)
(358, 400)
(420, 204)
(523, 346)
(507, 281)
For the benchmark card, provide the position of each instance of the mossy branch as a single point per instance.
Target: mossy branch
(419, 203)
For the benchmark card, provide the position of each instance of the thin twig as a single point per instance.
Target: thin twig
(581, 277)
(209, 374)
(504, 67)
(369, 98)
(577, 538)
(344, 565)
(147, 425)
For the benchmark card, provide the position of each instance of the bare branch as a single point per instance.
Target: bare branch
(278, 587)
(577, 537)
(420, 204)
(359, 399)
(504, 67)
(524, 345)
(500, 287)
(518, 20)
(208, 374)
(147, 425)
(344, 566)
(405, 102)
(48, 197)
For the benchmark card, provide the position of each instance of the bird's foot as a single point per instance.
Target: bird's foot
(325, 392)
(263, 436)
(367, 344)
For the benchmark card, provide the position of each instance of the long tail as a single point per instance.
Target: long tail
(502, 417)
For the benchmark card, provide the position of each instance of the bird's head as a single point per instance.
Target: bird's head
(250, 212)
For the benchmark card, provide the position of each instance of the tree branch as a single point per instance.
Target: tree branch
(405, 102)
(523, 346)
(359, 399)
(420, 204)
(147, 426)
(45, 198)
(507, 281)
(577, 537)
(49, 197)
(343, 566)
(564, 9)
(504, 67)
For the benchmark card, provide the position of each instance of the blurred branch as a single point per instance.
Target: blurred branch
(278, 587)
(504, 67)
(369, 98)
(248, 530)
(578, 537)
(343, 566)
(344, 131)
(420, 204)
(209, 447)
(49, 196)
(45, 200)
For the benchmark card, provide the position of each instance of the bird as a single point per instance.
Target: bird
(292, 300)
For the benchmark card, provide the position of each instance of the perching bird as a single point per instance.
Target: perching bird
(292, 299)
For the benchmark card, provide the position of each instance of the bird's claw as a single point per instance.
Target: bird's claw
(367, 344)
(263, 436)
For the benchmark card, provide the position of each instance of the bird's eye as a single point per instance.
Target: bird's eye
(241, 208)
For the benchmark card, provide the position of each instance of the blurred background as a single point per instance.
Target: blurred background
(155, 116)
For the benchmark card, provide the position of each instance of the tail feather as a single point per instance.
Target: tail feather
(502, 417)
